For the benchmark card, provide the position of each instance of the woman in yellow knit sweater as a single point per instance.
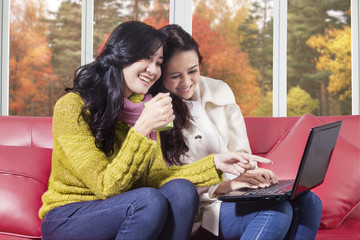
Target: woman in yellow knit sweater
(108, 177)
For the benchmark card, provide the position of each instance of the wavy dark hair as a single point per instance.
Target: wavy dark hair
(101, 82)
(173, 143)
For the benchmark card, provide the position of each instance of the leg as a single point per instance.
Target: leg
(255, 220)
(183, 202)
(136, 214)
(307, 215)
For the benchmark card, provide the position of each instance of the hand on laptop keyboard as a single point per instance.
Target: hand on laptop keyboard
(252, 179)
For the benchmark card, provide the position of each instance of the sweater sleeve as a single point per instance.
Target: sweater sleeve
(104, 176)
(201, 173)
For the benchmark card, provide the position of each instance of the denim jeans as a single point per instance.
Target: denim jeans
(297, 220)
(255, 220)
(143, 213)
(307, 209)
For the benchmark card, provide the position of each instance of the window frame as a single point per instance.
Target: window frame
(181, 13)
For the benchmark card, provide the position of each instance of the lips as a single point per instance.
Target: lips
(184, 90)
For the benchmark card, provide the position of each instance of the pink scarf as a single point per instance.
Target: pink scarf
(131, 112)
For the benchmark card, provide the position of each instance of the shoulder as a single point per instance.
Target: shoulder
(214, 91)
(69, 105)
(69, 100)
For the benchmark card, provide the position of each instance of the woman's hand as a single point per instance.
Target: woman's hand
(257, 178)
(157, 113)
(267, 176)
(237, 162)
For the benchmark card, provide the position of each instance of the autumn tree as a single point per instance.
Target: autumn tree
(137, 9)
(159, 15)
(65, 44)
(65, 35)
(223, 61)
(107, 15)
(299, 102)
(334, 48)
(265, 108)
(256, 33)
(224, 16)
(308, 18)
(30, 69)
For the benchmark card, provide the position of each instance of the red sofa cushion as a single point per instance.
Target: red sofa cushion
(24, 173)
(348, 230)
(287, 152)
(341, 185)
(340, 190)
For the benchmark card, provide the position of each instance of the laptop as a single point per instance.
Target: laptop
(311, 172)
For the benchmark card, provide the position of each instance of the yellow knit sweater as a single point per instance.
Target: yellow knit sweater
(81, 172)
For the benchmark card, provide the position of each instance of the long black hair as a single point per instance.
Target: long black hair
(173, 143)
(101, 82)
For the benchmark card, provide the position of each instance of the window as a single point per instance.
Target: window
(41, 49)
(235, 39)
(45, 45)
(45, 50)
(318, 57)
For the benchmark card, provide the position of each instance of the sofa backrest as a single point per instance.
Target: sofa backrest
(264, 132)
(26, 131)
(25, 163)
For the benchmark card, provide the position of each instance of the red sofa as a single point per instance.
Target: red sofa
(25, 162)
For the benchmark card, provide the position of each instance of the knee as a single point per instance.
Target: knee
(181, 194)
(183, 189)
(286, 210)
(153, 203)
(309, 201)
(314, 200)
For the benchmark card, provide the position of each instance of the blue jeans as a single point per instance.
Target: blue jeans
(299, 219)
(307, 209)
(143, 213)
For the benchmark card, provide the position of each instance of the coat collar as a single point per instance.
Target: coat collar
(213, 91)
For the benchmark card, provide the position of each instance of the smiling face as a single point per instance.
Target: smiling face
(141, 75)
(182, 73)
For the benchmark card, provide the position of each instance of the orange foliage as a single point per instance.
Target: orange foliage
(222, 60)
(30, 69)
(157, 21)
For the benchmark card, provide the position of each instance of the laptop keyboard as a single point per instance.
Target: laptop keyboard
(272, 189)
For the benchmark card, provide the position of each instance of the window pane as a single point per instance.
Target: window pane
(109, 13)
(236, 42)
(44, 53)
(319, 57)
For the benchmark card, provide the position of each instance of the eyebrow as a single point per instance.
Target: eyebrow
(191, 68)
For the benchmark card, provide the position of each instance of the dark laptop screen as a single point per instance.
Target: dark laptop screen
(317, 154)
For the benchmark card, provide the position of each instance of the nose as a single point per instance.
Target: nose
(151, 68)
(186, 80)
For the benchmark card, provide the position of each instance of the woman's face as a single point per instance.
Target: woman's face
(141, 75)
(182, 73)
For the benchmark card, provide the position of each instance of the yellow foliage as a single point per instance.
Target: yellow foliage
(300, 102)
(335, 56)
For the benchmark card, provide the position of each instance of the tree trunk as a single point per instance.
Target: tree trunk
(324, 105)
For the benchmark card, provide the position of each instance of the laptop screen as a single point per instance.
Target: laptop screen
(317, 154)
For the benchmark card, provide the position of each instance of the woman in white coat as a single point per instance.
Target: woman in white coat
(209, 121)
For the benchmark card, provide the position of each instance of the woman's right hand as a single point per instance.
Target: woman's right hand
(237, 162)
(258, 178)
(157, 113)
